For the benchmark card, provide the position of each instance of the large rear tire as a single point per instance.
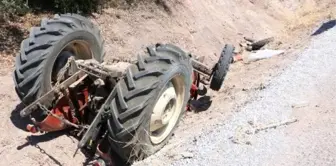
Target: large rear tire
(54, 41)
(149, 102)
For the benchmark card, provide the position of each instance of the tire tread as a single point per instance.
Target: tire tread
(35, 50)
(147, 75)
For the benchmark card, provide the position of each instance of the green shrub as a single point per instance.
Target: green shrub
(66, 6)
(11, 8)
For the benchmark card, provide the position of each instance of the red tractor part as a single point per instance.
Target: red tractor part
(194, 88)
(61, 115)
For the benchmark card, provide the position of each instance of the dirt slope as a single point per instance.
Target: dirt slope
(201, 27)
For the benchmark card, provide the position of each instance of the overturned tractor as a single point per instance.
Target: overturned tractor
(130, 110)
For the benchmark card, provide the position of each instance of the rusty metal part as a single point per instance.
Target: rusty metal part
(202, 90)
(50, 96)
(60, 117)
(122, 59)
(102, 112)
(64, 71)
(79, 70)
(102, 71)
(57, 118)
(205, 80)
(75, 84)
(194, 86)
(201, 74)
(92, 128)
(204, 71)
(201, 68)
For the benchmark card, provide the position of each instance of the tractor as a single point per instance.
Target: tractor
(125, 109)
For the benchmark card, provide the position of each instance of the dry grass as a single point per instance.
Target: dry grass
(12, 32)
(309, 15)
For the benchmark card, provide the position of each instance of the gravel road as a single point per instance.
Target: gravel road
(304, 91)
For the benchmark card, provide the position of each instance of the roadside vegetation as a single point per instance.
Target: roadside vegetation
(17, 16)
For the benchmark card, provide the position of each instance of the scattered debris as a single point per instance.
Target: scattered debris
(248, 143)
(236, 58)
(250, 122)
(187, 155)
(243, 44)
(270, 126)
(263, 54)
(300, 105)
(249, 50)
(261, 87)
(261, 43)
(238, 141)
(244, 89)
(194, 140)
(240, 137)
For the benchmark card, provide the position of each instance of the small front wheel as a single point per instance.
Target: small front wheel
(222, 67)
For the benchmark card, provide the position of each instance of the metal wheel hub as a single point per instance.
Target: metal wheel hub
(166, 112)
(163, 110)
(79, 49)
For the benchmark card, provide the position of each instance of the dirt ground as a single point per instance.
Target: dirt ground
(202, 28)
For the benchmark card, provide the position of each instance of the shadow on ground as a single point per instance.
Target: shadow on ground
(201, 104)
(34, 140)
(325, 27)
(17, 120)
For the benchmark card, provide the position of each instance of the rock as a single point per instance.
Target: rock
(248, 48)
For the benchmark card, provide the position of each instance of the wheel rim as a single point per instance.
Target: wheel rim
(167, 110)
(79, 49)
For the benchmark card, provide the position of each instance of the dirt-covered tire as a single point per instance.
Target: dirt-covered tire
(136, 98)
(38, 53)
(222, 67)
